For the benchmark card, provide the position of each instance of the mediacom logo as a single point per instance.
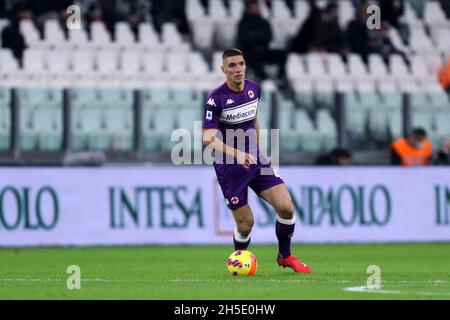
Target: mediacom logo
(28, 208)
(239, 115)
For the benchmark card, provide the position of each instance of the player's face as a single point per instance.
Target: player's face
(234, 69)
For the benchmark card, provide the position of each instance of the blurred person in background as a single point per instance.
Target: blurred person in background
(363, 40)
(445, 5)
(387, 47)
(320, 32)
(414, 150)
(170, 11)
(41, 10)
(444, 76)
(12, 38)
(5, 8)
(336, 157)
(391, 11)
(253, 37)
(443, 154)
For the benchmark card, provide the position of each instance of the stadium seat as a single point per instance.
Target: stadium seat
(304, 98)
(9, 67)
(323, 95)
(197, 66)
(124, 35)
(107, 62)
(85, 116)
(356, 66)
(441, 36)
(176, 64)
(336, 66)
(147, 36)
(203, 33)
(289, 140)
(78, 39)
(40, 118)
(158, 117)
(421, 115)
(301, 11)
(119, 127)
(99, 33)
(295, 67)
(434, 15)
(315, 64)
(194, 10)
(309, 138)
(33, 61)
(130, 68)
(398, 67)
(153, 64)
(171, 38)
(419, 40)
(5, 118)
(265, 11)
(82, 62)
(345, 13)
(326, 125)
(53, 33)
(377, 67)
(30, 33)
(284, 26)
(419, 68)
(224, 34)
(397, 40)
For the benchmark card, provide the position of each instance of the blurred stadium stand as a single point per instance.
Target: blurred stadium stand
(122, 93)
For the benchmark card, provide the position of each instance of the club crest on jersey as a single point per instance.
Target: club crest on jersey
(251, 94)
(234, 200)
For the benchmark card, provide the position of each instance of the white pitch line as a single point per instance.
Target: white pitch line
(365, 289)
(429, 282)
(379, 291)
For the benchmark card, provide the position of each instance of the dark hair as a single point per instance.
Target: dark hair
(419, 132)
(331, 6)
(231, 52)
(248, 3)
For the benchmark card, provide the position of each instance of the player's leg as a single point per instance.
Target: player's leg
(244, 224)
(279, 198)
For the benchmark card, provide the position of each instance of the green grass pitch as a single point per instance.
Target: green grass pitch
(408, 271)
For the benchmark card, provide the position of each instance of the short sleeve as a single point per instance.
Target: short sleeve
(212, 111)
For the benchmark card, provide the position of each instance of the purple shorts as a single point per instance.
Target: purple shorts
(234, 181)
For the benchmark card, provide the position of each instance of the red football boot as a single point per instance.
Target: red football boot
(294, 263)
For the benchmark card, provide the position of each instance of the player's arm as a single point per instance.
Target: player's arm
(210, 139)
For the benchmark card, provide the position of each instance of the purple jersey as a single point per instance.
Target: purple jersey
(229, 109)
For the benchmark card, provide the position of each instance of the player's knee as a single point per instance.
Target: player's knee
(286, 210)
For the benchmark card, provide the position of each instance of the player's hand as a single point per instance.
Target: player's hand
(246, 159)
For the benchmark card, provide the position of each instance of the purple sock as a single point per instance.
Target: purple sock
(284, 229)
(240, 242)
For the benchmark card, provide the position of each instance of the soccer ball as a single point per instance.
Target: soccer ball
(242, 263)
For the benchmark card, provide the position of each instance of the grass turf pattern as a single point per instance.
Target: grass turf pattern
(408, 271)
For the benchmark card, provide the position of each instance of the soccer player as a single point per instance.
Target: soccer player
(233, 107)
